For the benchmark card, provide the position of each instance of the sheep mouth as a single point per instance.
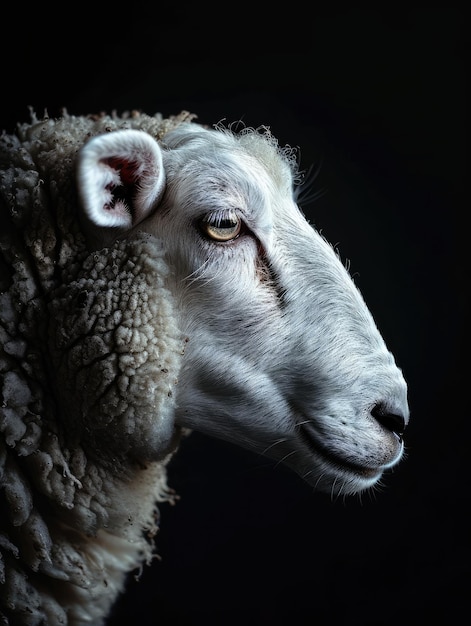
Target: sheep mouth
(335, 461)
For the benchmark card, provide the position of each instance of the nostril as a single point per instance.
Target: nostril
(392, 421)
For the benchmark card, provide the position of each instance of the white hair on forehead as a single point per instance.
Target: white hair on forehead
(269, 151)
(282, 162)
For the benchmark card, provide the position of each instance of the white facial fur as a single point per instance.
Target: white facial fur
(283, 356)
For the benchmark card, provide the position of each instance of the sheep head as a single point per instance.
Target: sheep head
(284, 357)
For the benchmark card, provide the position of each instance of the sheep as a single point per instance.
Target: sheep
(157, 276)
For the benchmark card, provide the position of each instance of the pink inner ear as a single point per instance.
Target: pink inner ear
(122, 194)
(127, 169)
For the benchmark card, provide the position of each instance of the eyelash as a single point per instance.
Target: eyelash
(222, 226)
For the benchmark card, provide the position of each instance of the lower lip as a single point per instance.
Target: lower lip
(335, 461)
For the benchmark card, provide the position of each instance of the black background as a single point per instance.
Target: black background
(376, 97)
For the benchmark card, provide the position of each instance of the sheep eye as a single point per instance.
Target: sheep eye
(221, 226)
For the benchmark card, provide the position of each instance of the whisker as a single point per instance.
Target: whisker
(272, 445)
(283, 459)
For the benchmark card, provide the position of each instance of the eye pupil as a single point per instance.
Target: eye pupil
(221, 227)
(226, 224)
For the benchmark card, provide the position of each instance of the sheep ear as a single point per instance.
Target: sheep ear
(120, 178)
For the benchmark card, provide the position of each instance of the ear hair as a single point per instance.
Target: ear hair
(120, 178)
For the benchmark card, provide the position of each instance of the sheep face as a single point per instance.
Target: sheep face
(283, 356)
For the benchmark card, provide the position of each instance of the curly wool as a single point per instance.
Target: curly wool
(89, 357)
